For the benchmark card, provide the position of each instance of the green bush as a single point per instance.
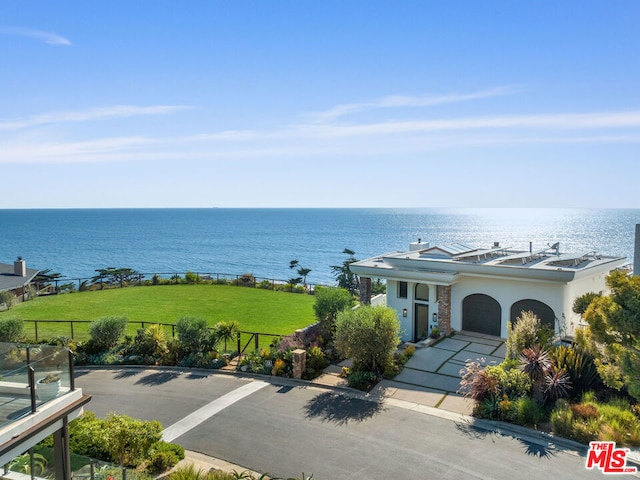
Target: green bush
(163, 456)
(152, 342)
(368, 335)
(11, 329)
(106, 332)
(580, 366)
(526, 411)
(194, 334)
(328, 303)
(526, 333)
(316, 362)
(118, 438)
(191, 278)
(362, 380)
(6, 298)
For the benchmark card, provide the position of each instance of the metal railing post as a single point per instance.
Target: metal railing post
(72, 379)
(239, 344)
(32, 388)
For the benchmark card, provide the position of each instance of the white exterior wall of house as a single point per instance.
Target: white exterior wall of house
(506, 293)
(547, 277)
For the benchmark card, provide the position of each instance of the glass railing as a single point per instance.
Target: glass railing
(31, 376)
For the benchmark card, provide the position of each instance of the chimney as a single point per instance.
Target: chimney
(636, 252)
(20, 267)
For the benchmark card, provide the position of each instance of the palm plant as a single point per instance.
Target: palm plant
(226, 331)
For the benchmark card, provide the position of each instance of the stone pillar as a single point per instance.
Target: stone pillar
(299, 362)
(444, 309)
(365, 291)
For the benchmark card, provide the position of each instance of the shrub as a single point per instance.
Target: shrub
(151, 341)
(191, 278)
(477, 383)
(328, 303)
(316, 362)
(163, 456)
(526, 411)
(362, 380)
(368, 335)
(265, 284)
(525, 333)
(409, 351)
(580, 367)
(194, 335)
(106, 331)
(6, 298)
(11, 329)
(435, 332)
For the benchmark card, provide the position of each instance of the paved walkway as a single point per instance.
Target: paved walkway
(432, 376)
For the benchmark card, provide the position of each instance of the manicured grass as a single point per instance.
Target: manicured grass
(256, 310)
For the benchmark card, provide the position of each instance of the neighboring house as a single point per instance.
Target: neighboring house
(459, 287)
(15, 278)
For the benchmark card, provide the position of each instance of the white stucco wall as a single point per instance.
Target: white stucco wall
(506, 293)
(399, 304)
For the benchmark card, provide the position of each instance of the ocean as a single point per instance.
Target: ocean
(76, 242)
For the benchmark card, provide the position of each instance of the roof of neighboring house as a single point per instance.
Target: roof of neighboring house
(10, 281)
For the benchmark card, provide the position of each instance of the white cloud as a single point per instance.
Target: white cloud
(393, 137)
(118, 111)
(397, 101)
(46, 37)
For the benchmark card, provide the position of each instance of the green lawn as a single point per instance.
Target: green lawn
(256, 310)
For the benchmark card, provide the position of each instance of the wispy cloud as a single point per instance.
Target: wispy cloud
(117, 111)
(46, 37)
(393, 137)
(398, 101)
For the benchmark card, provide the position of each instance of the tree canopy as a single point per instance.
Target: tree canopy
(344, 276)
(613, 332)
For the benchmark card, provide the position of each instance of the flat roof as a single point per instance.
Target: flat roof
(453, 259)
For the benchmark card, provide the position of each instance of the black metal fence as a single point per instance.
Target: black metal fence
(78, 330)
(174, 278)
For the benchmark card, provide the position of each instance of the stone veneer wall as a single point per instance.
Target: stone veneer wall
(365, 290)
(444, 309)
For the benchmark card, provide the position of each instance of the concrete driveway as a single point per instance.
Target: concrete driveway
(432, 376)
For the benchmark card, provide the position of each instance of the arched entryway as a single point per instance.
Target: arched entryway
(541, 310)
(481, 313)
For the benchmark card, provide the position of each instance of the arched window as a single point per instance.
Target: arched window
(422, 292)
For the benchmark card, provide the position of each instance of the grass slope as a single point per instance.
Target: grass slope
(256, 310)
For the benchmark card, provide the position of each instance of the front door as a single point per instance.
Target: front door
(421, 322)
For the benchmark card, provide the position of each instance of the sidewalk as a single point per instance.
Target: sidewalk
(432, 376)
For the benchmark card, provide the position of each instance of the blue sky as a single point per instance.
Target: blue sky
(319, 104)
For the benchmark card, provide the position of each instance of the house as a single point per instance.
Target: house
(461, 287)
(15, 278)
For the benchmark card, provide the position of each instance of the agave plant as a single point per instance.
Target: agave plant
(556, 384)
(535, 362)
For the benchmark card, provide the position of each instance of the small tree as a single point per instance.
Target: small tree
(226, 331)
(344, 276)
(11, 329)
(302, 271)
(368, 335)
(613, 333)
(330, 301)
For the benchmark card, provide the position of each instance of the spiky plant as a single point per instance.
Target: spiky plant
(535, 362)
(556, 384)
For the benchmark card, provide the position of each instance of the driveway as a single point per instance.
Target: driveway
(432, 376)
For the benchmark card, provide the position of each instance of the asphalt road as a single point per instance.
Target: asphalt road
(287, 430)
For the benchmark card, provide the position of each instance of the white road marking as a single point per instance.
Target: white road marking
(196, 418)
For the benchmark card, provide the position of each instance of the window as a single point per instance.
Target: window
(422, 292)
(402, 289)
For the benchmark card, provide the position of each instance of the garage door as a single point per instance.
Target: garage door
(481, 314)
(539, 309)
